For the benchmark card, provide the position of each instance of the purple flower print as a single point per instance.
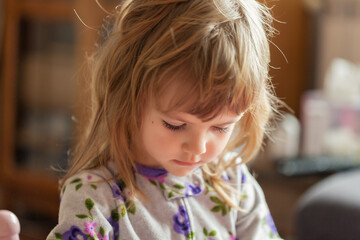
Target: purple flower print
(115, 225)
(74, 233)
(191, 190)
(225, 177)
(243, 177)
(117, 191)
(181, 222)
(90, 228)
(269, 220)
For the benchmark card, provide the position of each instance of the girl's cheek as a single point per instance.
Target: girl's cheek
(166, 139)
(213, 150)
(218, 146)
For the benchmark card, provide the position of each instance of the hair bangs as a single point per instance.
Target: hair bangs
(199, 95)
(210, 77)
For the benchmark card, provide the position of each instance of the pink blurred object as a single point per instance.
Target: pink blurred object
(9, 226)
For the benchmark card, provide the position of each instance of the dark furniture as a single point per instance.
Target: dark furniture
(331, 209)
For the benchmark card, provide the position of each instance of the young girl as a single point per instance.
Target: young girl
(181, 101)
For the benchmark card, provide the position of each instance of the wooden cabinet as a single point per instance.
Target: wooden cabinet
(289, 52)
(44, 46)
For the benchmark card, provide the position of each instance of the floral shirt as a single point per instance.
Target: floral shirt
(178, 208)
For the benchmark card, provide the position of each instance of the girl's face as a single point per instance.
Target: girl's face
(181, 142)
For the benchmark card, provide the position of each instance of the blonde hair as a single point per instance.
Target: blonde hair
(221, 45)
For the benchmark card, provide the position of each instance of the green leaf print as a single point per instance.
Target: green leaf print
(115, 215)
(123, 210)
(89, 204)
(63, 190)
(178, 186)
(208, 187)
(216, 208)
(243, 197)
(171, 194)
(191, 235)
(93, 186)
(152, 182)
(131, 207)
(78, 186)
(162, 186)
(102, 231)
(220, 206)
(216, 200)
(81, 216)
(205, 231)
(207, 234)
(58, 236)
(223, 210)
(212, 233)
(76, 180)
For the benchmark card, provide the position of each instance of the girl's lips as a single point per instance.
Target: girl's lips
(188, 164)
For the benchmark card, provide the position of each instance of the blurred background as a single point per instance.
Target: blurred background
(43, 45)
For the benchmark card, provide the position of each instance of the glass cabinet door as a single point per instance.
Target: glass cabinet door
(46, 94)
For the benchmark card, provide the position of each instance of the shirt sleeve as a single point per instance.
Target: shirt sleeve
(87, 209)
(254, 221)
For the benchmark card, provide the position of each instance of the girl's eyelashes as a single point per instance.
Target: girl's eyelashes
(180, 127)
(173, 127)
(222, 129)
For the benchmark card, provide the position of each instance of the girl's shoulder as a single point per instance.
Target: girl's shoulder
(87, 201)
(89, 183)
(88, 178)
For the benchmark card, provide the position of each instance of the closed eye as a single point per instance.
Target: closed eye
(221, 130)
(173, 127)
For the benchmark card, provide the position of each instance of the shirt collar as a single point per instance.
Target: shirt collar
(173, 186)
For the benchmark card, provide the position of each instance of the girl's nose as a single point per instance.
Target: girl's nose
(196, 144)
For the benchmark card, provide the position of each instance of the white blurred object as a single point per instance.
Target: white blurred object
(342, 141)
(316, 121)
(329, 127)
(9, 226)
(342, 82)
(284, 142)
